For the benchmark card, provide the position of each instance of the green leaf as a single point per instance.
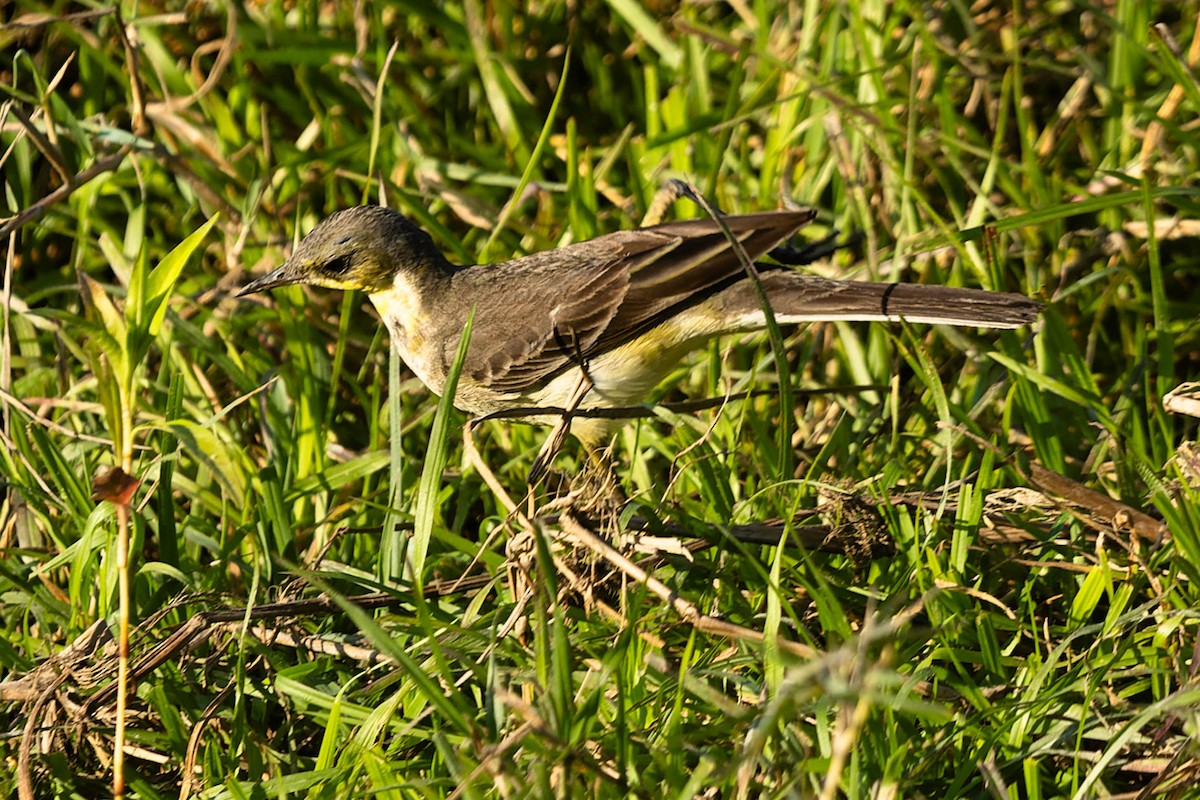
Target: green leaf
(162, 278)
(100, 340)
(208, 449)
(339, 475)
(97, 300)
(534, 158)
(1093, 588)
(435, 463)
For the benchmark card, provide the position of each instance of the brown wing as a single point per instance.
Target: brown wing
(561, 306)
(663, 283)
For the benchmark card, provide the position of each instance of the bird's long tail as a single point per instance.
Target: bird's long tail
(797, 298)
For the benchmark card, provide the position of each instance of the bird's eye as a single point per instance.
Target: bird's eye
(339, 265)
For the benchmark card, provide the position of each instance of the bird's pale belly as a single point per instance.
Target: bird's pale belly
(620, 378)
(625, 376)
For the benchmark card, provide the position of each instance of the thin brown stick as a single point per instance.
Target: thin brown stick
(1151, 144)
(492, 757)
(202, 625)
(188, 773)
(137, 105)
(39, 686)
(489, 478)
(123, 682)
(25, 751)
(39, 208)
(43, 21)
(9, 401)
(44, 145)
(1074, 493)
(687, 610)
(5, 336)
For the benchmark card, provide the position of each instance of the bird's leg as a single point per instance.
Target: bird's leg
(577, 354)
(597, 483)
(559, 433)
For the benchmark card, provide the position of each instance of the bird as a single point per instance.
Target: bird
(598, 324)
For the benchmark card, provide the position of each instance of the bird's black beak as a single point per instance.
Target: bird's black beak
(284, 276)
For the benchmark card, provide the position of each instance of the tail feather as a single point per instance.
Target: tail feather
(796, 298)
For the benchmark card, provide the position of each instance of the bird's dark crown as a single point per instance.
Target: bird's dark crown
(359, 248)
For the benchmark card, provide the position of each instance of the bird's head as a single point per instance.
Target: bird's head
(358, 248)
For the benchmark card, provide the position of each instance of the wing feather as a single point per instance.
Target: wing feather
(582, 300)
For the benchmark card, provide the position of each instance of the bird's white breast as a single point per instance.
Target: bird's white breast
(408, 323)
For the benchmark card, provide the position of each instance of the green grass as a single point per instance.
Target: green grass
(994, 648)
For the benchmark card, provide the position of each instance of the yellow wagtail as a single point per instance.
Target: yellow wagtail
(596, 324)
